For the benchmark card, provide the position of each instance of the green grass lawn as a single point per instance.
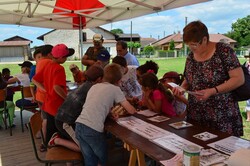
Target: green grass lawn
(165, 65)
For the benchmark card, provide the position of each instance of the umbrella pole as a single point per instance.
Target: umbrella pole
(81, 40)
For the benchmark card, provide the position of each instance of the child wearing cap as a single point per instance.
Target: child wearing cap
(23, 77)
(52, 80)
(78, 75)
(45, 59)
(90, 124)
(180, 102)
(24, 80)
(71, 109)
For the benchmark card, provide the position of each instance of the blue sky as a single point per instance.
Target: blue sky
(218, 15)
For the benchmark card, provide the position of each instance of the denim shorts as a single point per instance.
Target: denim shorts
(93, 145)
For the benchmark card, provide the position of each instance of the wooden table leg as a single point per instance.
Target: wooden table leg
(132, 158)
(140, 158)
(135, 154)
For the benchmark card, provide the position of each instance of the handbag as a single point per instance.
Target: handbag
(242, 93)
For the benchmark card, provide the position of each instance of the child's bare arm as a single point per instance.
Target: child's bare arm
(60, 91)
(128, 107)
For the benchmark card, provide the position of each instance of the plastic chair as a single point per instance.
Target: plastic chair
(4, 112)
(57, 154)
(26, 93)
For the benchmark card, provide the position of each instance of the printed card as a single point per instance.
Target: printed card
(158, 118)
(204, 136)
(180, 125)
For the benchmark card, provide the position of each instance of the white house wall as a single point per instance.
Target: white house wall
(71, 39)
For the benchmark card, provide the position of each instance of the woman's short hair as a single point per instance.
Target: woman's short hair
(194, 32)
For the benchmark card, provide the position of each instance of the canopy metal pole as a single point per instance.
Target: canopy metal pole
(185, 46)
(81, 40)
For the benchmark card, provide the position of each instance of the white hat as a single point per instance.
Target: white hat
(98, 37)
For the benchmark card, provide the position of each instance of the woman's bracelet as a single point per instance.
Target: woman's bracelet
(216, 90)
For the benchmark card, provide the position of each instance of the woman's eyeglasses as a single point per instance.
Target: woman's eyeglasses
(194, 45)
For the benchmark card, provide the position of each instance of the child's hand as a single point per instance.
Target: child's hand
(115, 116)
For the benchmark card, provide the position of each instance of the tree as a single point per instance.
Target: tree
(117, 31)
(171, 45)
(148, 50)
(241, 31)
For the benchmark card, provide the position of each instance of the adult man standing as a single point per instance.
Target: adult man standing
(90, 56)
(122, 50)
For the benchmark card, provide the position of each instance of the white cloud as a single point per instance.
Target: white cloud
(218, 15)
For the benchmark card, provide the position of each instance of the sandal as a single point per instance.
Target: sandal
(52, 140)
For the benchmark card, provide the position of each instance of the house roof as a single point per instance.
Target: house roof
(178, 38)
(17, 38)
(129, 35)
(15, 43)
(42, 36)
(147, 41)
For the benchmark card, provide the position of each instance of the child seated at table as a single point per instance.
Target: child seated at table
(90, 124)
(6, 76)
(9, 104)
(155, 96)
(24, 80)
(180, 101)
(78, 75)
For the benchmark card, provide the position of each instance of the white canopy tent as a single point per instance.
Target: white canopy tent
(78, 14)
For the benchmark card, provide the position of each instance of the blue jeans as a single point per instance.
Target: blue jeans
(93, 145)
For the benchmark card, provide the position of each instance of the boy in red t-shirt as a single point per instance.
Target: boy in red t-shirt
(52, 80)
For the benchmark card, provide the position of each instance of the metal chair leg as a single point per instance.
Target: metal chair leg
(21, 115)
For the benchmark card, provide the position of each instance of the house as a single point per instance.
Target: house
(15, 49)
(71, 39)
(163, 44)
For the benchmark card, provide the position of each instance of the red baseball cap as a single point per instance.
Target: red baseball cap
(61, 50)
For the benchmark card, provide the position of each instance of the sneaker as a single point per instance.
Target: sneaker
(52, 140)
(43, 148)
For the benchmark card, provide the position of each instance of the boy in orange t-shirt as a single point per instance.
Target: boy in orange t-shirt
(52, 80)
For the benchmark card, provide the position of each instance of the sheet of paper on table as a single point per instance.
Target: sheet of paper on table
(180, 125)
(211, 157)
(174, 143)
(158, 118)
(142, 128)
(230, 144)
(147, 113)
(205, 136)
(175, 161)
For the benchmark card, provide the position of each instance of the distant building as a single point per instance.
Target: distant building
(15, 49)
(71, 39)
(163, 44)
